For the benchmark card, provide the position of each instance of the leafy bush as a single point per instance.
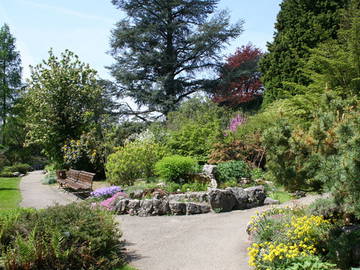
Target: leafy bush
(257, 173)
(195, 127)
(133, 161)
(232, 170)
(176, 168)
(19, 167)
(61, 237)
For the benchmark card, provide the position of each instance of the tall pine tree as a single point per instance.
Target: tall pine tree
(162, 45)
(10, 74)
(301, 25)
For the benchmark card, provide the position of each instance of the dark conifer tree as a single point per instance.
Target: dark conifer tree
(163, 44)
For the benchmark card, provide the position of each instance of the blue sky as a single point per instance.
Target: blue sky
(83, 26)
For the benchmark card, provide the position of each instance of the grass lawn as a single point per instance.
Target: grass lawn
(127, 267)
(9, 193)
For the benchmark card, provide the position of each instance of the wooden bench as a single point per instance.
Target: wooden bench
(76, 180)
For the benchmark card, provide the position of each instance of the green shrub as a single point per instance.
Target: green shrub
(257, 173)
(61, 237)
(195, 127)
(176, 168)
(172, 187)
(232, 170)
(133, 161)
(17, 167)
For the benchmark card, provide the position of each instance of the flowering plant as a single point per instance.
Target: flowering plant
(105, 192)
(294, 238)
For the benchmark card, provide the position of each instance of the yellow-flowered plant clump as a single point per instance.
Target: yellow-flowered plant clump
(298, 238)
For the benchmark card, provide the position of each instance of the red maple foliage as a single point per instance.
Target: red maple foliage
(239, 80)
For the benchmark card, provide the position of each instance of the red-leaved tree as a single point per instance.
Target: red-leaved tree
(239, 78)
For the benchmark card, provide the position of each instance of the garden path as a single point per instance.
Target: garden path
(35, 194)
(200, 242)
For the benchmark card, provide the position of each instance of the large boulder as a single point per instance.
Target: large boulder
(256, 196)
(146, 208)
(269, 201)
(177, 208)
(160, 207)
(133, 207)
(120, 206)
(241, 197)
(201, 197)
(222, 200)
(196, 208)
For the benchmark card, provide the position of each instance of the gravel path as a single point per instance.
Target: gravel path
(36, 195)
(200, 242)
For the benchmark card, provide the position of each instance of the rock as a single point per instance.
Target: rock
(177, 208)
(160, 207)
(16, 174)
(222, 200)
(269, 201)
(21, 175)
(146, 208)
(241, 197)
(133, 207)
(209, 170)
(120, 206)
(190, 196)
(196, 208)
(136, 194)
(299, 194)
(161, 185)
(256, 196)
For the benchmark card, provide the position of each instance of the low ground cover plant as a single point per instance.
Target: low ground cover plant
(61, 237)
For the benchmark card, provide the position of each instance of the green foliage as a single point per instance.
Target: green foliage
(64, 100)
(161, 44)
(61, 237)
(257, 173)
(340, 169)
(232, 170)
(132, 161)
(195, 127)
(300, 25)
(10, 76)
(194, 187)
(172, 187)
(307, 263)
(176, 168)
(341, 247)
(335, 63)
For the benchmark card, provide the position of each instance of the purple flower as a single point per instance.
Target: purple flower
(105, 192)
(237, 121)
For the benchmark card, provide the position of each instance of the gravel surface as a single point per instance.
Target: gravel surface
(200, 242)
(36, 195)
